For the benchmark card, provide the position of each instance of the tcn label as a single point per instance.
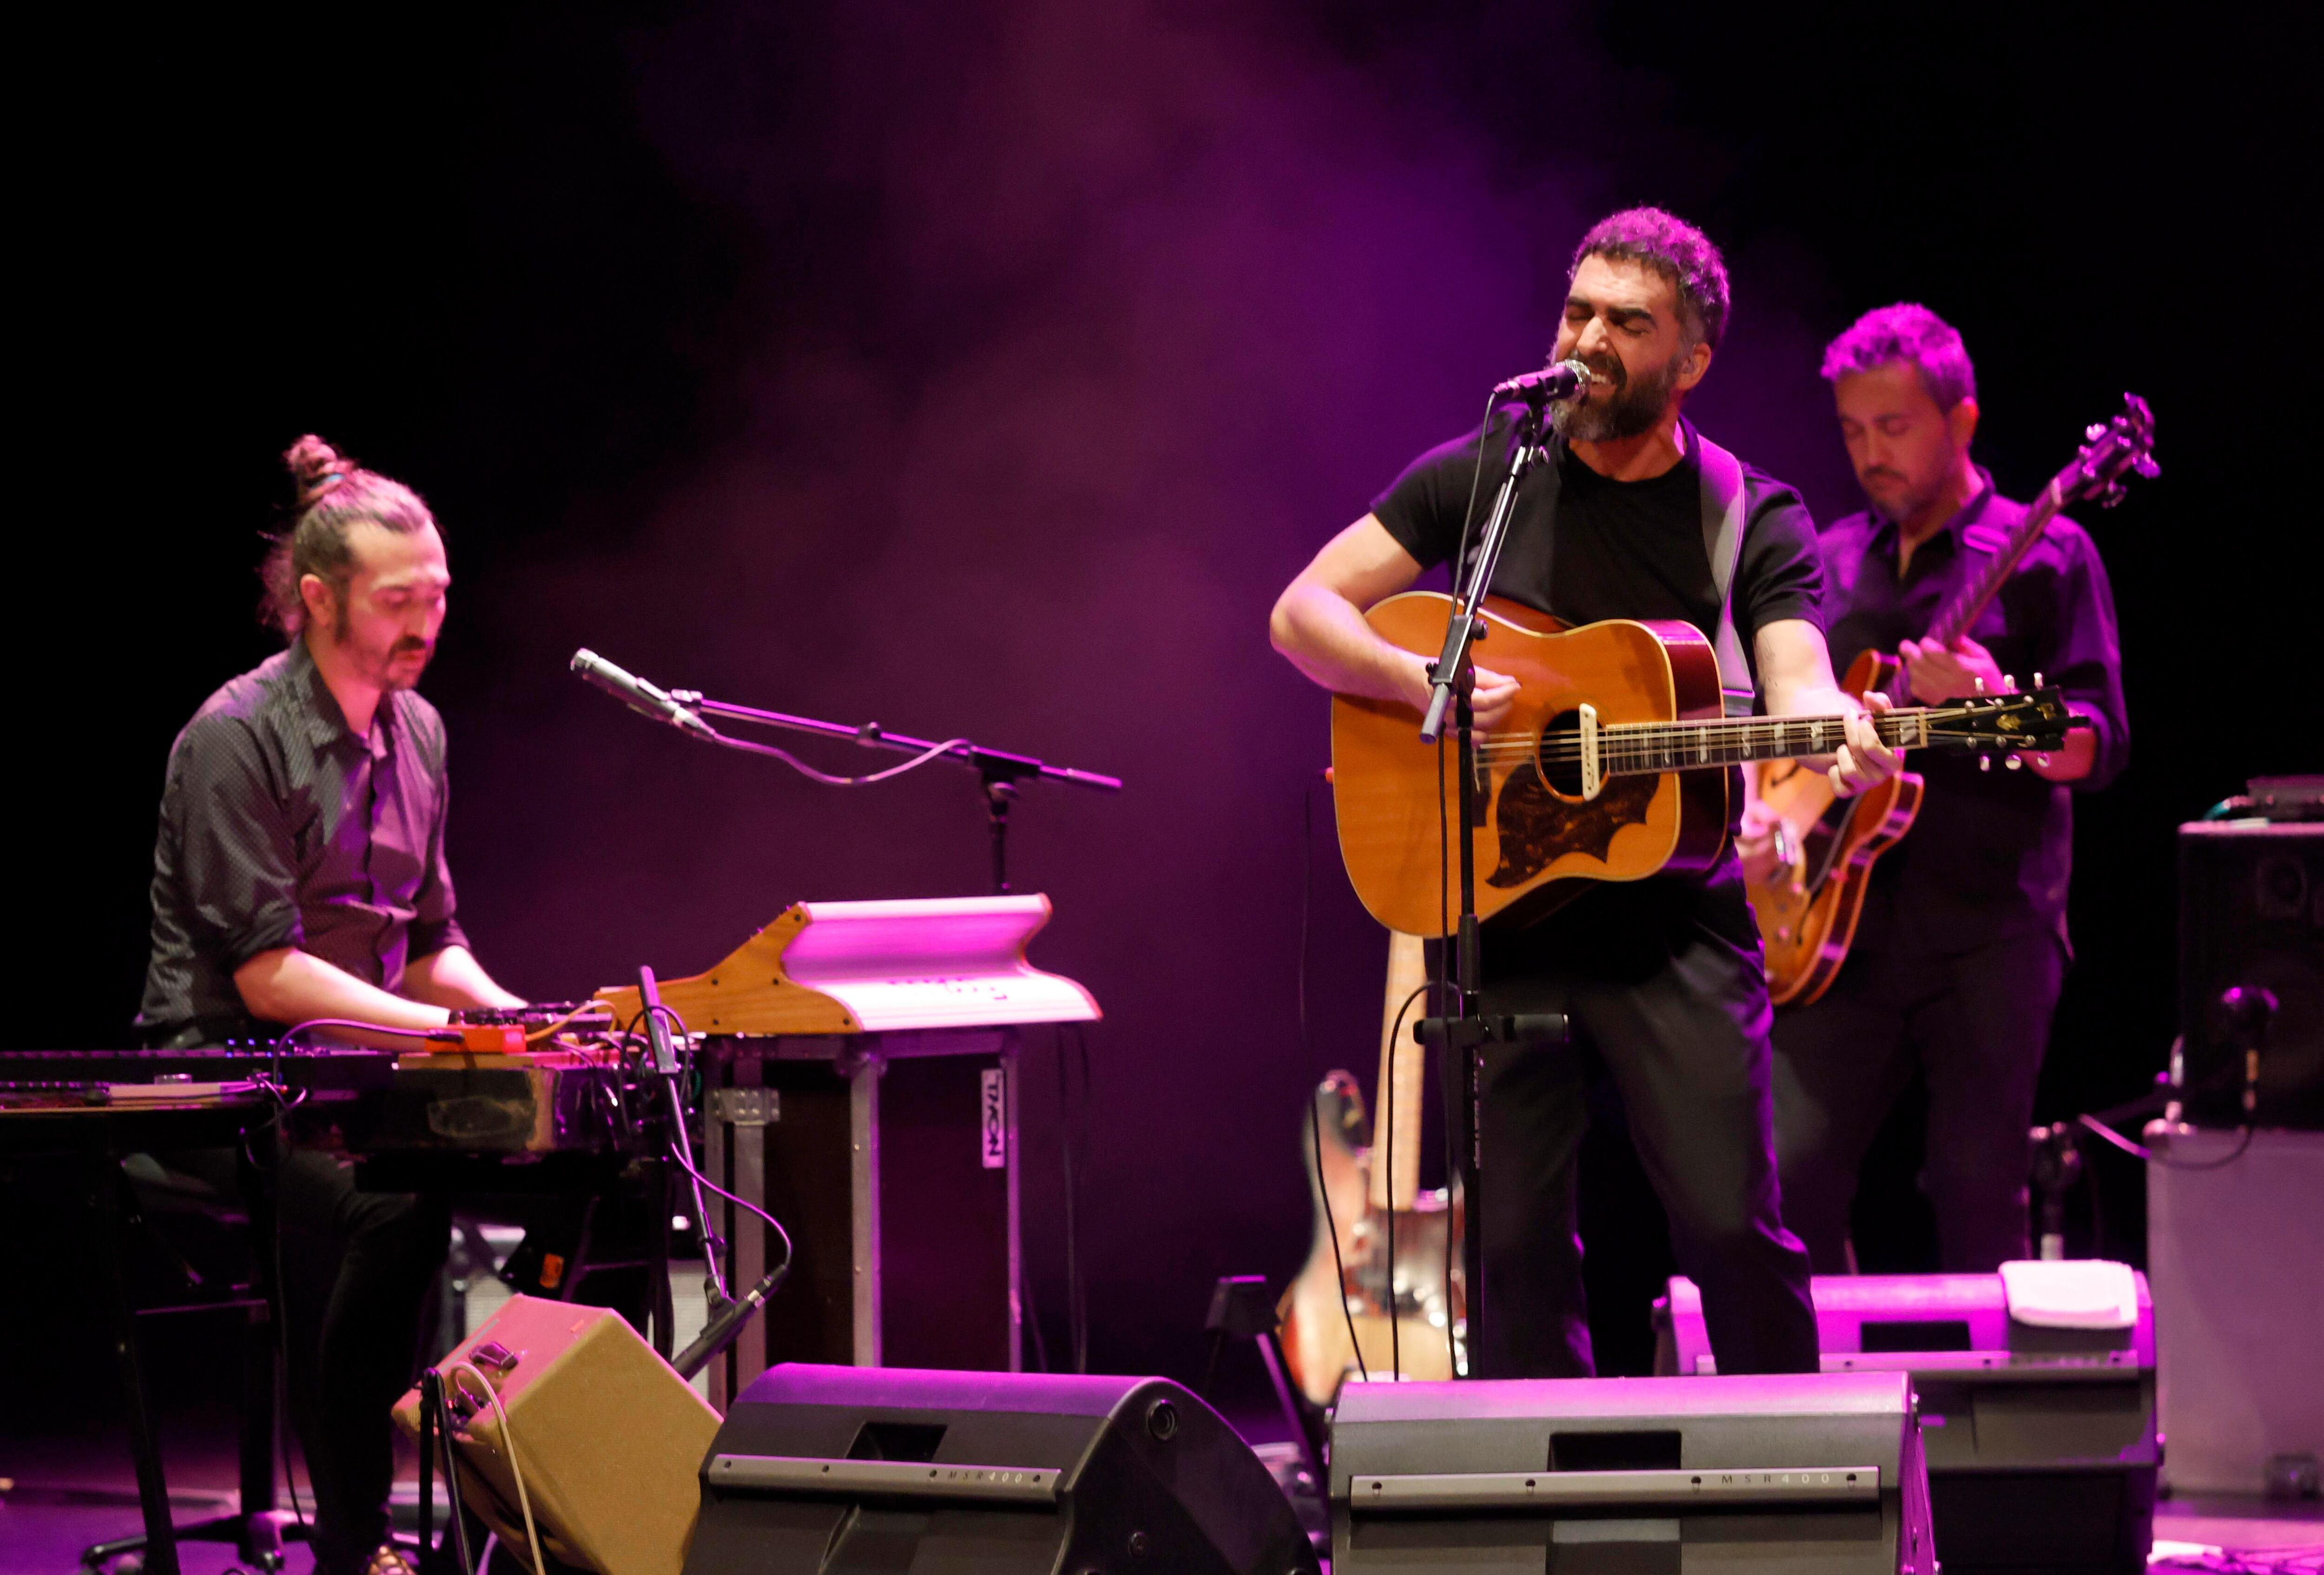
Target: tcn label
(992, 1121)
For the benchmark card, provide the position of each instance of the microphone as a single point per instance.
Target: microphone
(725, 1325)
(637, 694)
(1561, 381)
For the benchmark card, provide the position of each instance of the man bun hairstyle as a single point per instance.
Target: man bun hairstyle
(334, 493)
(1677, 251)
(1911, 333)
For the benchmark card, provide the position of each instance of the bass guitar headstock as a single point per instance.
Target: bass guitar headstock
(2115, 450)
(2031, 723)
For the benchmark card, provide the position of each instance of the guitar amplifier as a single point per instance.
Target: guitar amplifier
(608, 1439)
(2251, 916)
(2036, 1398)
(832, 1468)
(1631, 1476)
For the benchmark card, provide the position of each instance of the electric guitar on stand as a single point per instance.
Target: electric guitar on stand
(1390, 1304)
(1808, 906)
(1615, 763)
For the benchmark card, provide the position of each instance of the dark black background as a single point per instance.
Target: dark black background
(986, 368)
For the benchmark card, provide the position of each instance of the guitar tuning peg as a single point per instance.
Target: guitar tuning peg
(1981, 684)
(1985, 762)
(2037, 680)
(2043, 761)
(2095, 431)
(2008, 683)
(2112, 495)
(2014, 763)
(2145, 466)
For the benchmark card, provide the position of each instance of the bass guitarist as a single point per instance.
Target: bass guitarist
(1961, 945)
(1662, 976)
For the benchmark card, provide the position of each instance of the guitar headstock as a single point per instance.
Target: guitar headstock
(2034, 722)
(2115, 449)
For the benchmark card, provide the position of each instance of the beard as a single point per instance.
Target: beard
(1904, 499)
(1634, 407)
(384, 665)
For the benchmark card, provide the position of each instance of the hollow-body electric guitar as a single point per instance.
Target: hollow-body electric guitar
(1615, 763)
(1379, 1298)
(1808, 906)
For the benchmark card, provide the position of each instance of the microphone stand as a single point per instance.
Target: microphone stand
(999, 771)
(1467, 1031)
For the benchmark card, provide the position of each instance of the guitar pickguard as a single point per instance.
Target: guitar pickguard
(1538, 827)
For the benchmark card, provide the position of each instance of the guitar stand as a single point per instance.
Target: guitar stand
(1241, 1309)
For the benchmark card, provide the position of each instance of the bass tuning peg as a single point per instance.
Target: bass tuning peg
(2145, 466)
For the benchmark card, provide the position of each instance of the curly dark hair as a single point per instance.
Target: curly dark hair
(1677, 251)
(335, 493)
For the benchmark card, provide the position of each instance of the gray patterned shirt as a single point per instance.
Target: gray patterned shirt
(280, 827)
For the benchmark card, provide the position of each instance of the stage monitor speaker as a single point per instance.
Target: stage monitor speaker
(1631, 1477)
(609, 1438)
(825, 1470)
(2251, 918)
(2041, 1439)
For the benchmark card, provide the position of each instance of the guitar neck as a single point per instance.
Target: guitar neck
(1628, 749)
(1404, 1074)
(1967, 605)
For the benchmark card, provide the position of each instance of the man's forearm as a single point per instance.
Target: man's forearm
(1326, 637)
(288, 986)
(454, 978)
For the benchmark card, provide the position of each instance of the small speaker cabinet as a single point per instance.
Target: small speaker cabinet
(2251, 916)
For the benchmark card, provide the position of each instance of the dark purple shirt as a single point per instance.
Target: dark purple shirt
(1992, 850)
(280, 827)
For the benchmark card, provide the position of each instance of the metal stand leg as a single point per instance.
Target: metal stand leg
(102, 1173)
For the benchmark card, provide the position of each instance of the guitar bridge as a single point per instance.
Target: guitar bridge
(1592, 779)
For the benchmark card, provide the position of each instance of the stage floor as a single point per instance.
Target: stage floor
(65, 1494)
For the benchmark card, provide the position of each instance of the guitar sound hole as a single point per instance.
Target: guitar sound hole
(1560, 760)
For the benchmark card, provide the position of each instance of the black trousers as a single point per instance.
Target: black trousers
(356, 1270)
(1975, 1023)
(1684, 1039)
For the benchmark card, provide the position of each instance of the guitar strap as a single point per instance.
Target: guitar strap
(1723, 519)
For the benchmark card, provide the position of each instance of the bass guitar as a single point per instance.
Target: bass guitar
(1615, 763)
(1807, 908)
(1389, 1302)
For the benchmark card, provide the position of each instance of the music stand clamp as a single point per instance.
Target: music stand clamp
(1469, 1030)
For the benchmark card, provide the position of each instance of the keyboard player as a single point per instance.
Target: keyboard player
(300, 873)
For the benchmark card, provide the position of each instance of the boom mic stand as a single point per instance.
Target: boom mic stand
(1468, 1031)
(1000, 771)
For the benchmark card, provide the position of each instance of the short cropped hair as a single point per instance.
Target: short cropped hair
(1677, 251)
(1908, 332)
(334, 494)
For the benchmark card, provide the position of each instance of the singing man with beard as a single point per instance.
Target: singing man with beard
(299, 874)
(1662, 978)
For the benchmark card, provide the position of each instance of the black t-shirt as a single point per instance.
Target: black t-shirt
(1583, 548)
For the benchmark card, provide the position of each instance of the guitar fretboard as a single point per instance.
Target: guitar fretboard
(1631, 748)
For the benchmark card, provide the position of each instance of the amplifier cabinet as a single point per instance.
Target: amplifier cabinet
(2251, 916)
(2040, 1441)
(832, 1468)
(2234, 1242)
(892, 1160)
(1819, 1472)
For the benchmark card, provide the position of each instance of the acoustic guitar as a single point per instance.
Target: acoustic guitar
(1614, 763)
(1394, 1302)
(1807, 908)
